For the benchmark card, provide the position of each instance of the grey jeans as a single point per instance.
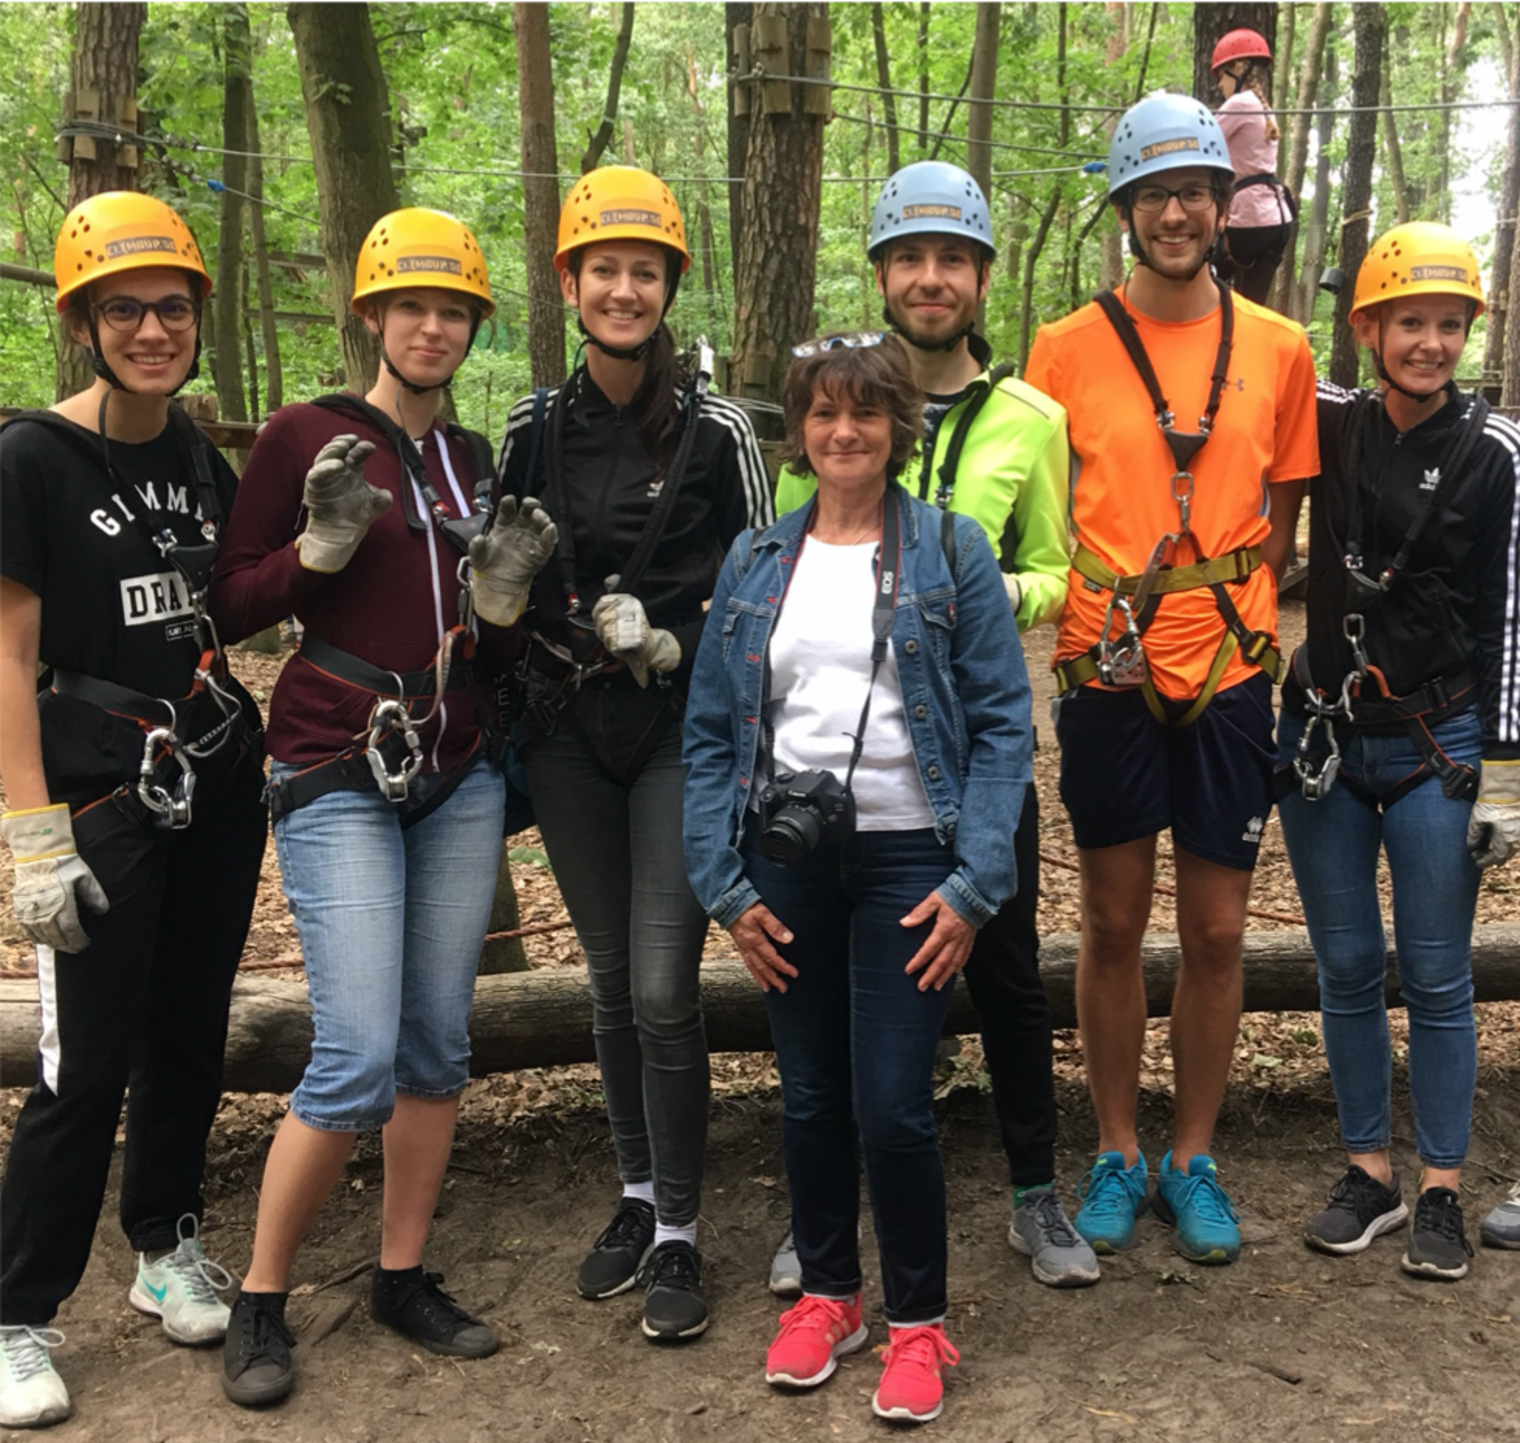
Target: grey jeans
(613, 836)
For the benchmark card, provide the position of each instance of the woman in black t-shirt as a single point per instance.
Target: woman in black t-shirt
(134, 783)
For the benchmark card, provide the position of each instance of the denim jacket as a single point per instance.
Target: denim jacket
(965, 698)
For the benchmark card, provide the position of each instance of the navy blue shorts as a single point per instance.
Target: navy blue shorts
(1125, 776)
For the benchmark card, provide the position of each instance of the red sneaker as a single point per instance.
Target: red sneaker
(814, 1336)
(911, 1390)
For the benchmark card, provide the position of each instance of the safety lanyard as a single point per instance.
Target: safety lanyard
(888, 572)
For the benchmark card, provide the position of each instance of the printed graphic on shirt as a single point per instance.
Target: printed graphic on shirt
(147, 599)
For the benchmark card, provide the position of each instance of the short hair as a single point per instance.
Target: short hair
(876, 375)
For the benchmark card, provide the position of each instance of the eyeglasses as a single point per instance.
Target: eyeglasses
(125, 313)
(855, 341)
(1194, 198)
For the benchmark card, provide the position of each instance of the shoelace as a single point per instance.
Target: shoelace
(624, 1229)
(26, 1349)
(1052, 1222)
(804, 1315)
(259, 1326)
(1207, 1198)
(924, 1346)
(1443, 1217)
(431, 1298)
(674, 1267)
(202, 1278)
(1099, 1189)
(1347, 1194)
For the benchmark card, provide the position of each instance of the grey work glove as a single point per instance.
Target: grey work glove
(1493, 830)
(1015, 589)
(505, 559)
(52, 879)
(340, 505)
(624, 629)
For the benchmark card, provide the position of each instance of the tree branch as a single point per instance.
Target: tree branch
(603, 136)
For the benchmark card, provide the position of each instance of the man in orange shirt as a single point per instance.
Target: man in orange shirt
(1167, 647)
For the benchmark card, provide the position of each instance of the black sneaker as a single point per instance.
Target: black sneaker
(1438, 1246)
(673, 1303)
(256, 1367)
(1360, 1209)
(412, 1302)
(612, 1266)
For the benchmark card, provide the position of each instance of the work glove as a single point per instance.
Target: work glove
(624, 629)
(340, 505)
(51, 878)
(1493, 830)
(505, 559)
(1015, 589)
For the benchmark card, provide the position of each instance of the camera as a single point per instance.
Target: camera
(800, 810)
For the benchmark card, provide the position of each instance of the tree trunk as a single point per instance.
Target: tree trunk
(1213, 21)
(1037, 244)
(274, 371)
(349, 120)
(227, 298)
(1282, 54)
(1394, 150)
(707, 249)
(884, 80)
(1453, 70)
(1298, 147)
(984, 57)
(737, 18)
(535, 106)
(103, 80)
(1369, 22)
(542, 1018)
(923, 78)
(603, 136)
(1319, 215)
(504, 954)
(783, 176)
(1509, 199)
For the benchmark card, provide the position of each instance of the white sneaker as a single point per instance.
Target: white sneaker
(32, 1395)
(181, 1289)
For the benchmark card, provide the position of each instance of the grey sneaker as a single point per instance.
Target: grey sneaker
(786, 1270)
(32, 1395)
(1360, 1209)
(181, 1289)
(1501, 1228)
(1058, 1255)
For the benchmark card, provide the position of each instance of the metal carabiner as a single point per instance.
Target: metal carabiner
(392, 716)
(171, 810)
(1354, 629)
(1316, 779)
(1121, 660)
(1183, 496)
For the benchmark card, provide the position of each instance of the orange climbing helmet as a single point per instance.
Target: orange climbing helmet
(418, 247)
(1242, 44)
(1419, 258)
(122, 230)
(620, 202)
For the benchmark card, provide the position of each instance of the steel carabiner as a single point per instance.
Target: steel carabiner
(172, 811)
(390, 716)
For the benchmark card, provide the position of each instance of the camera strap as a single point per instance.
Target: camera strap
(888, 582)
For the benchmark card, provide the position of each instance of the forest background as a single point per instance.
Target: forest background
(251, 120)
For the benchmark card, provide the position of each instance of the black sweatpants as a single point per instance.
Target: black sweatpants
(143, 1011)
(1003, 975)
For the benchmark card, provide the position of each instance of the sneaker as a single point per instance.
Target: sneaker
(814, 1336)
(32, 1395)
(1204, 1221)
(1058, 1255)
(1112, 1197)
(1501, 1228)
(911, 1389)
(673, 1304)
(1360, 1209)
(1438, 1246)
(416, 1306)
(256, 1366)
(612, 1266)
(786, 1269)
(181, 1288)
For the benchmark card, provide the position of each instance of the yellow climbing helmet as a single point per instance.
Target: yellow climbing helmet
(620, 202)
(122, 230)
(418, 247)
(1419, 258)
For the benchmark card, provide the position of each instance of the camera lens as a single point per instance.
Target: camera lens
(791, 834)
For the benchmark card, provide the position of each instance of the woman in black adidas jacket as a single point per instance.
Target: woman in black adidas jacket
(649, 485)
(1400, 730)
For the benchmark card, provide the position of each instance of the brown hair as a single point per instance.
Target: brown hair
(863, 375)
(1257, 78)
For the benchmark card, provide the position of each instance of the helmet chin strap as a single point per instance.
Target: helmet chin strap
(390, 365)
(946, 345)
(620, 353)
(1132, 236)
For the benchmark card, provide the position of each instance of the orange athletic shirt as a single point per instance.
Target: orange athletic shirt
(1121, 499)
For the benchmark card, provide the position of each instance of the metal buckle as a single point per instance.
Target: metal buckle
(392, 716)
(171, 810)
(1121, 661)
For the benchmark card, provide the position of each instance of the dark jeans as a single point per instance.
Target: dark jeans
(1003, 977)
(612, 829)
(855, 1044)
(142, 1011)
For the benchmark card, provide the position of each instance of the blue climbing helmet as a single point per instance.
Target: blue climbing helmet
(1165, 132)
(930, 197)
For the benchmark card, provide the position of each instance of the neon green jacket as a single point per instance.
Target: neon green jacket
(1011, 480)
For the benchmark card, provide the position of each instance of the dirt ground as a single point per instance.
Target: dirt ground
(1286, 1343)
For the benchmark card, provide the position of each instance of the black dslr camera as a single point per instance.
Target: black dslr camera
(801, 810)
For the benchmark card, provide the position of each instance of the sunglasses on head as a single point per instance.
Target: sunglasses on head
(854, 341)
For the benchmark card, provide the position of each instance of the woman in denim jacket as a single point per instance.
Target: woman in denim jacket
(853, 874)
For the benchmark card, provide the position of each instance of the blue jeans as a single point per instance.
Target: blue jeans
(391, 925)
(855, 1044)
(1333, 844)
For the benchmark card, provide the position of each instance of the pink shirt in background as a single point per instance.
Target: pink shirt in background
(1243, 118)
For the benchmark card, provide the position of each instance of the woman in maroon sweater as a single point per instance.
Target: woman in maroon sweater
(356, 516)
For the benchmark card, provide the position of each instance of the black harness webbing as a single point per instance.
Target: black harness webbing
(355, 671)
(949, 469)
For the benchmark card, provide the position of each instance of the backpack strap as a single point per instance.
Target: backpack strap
(950, 466)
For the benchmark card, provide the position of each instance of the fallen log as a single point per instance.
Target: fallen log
(543, 1018)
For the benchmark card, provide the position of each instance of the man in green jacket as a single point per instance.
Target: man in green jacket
(995, 450)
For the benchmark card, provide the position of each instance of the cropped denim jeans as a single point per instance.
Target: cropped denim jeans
(1333, 844)
(391, 925)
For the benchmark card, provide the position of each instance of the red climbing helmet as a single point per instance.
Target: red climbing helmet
(1240, 45)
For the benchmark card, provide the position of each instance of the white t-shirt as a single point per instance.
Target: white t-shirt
(820, 667)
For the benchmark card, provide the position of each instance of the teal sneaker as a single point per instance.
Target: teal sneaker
(1204, 1219)
(1112, 1197)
